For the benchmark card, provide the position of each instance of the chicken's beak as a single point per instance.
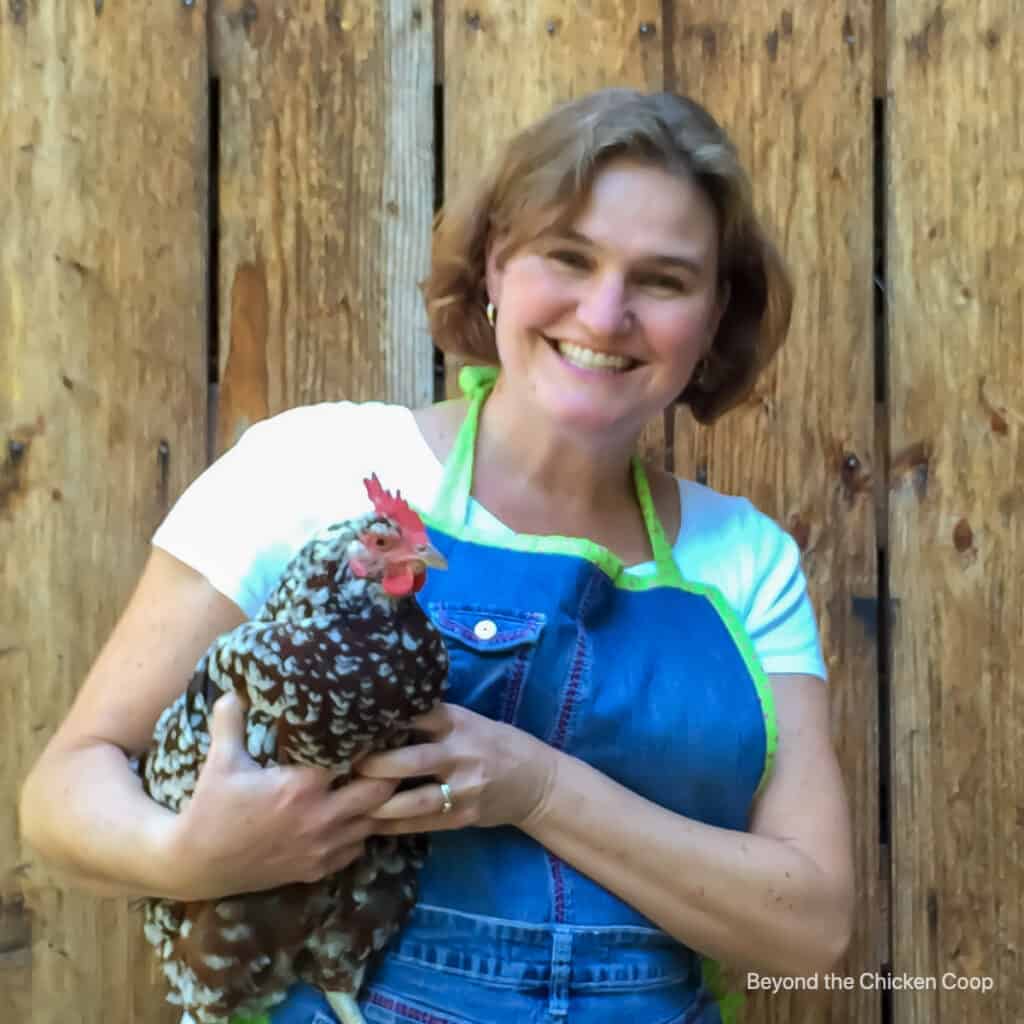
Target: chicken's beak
(431, 557)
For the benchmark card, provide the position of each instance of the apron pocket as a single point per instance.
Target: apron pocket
(489, 652)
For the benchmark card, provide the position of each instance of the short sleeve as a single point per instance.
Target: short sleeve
(240, 522)
(779, 617)
(727, 542)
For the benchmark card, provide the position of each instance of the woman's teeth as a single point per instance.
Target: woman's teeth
(588, 359)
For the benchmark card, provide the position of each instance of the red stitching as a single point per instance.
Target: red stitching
(411, 1013)
(514, 685)
(572, 689)
(556, 877)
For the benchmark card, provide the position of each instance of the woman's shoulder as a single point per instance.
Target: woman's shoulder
(707, 513)
(285, 478)
(439, 425)
(330, 416)
(726, 540)
(329, 448)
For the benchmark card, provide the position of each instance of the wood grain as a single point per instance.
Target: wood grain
(325, 199)
(956, 324)
(324, 186)
(793, 86)
(103, 294)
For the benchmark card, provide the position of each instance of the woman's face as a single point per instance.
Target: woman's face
(600, 328)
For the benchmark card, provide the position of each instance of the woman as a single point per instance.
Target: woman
(635, 755)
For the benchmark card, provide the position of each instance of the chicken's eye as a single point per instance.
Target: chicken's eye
(380, 542)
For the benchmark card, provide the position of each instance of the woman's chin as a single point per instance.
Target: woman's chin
(581, 413)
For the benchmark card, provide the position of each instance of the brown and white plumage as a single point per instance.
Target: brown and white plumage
(333, 666)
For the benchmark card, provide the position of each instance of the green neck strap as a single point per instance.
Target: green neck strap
(452, 505)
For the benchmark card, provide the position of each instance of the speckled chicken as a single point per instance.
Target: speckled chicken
(333, 666)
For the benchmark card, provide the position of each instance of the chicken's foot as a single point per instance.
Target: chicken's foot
(345, 1008)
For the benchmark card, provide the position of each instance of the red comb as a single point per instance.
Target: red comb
(395, 507)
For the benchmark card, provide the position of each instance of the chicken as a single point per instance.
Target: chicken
(333, 666)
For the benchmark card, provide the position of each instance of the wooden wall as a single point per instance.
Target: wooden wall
(213, 211)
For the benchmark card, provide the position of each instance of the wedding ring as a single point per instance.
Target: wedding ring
(446, 798)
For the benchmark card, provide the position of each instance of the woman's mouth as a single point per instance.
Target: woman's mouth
(588, 358)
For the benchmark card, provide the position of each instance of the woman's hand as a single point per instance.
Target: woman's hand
(249, 828)
(497, 774)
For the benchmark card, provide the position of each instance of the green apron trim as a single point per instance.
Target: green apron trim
(449, 515)
(451, 509)
(731, 1002)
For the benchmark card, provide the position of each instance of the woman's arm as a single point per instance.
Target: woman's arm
(84, 810)
(778, 899)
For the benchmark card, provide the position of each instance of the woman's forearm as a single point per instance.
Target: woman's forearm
(749, 901)
(84, 811)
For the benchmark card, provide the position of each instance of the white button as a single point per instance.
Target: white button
(485, 629)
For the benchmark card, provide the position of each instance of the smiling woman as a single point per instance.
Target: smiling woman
(536, 192)
(632, 776)
(599, 338)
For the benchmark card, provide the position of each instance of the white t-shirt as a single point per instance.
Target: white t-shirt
(241, 521)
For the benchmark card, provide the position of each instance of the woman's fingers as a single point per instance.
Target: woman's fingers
(332, 859)
(406, 762)
(359, 797)
(346, 855)
(424, 823)
(435, 722)
(412, 803)
(227, 729)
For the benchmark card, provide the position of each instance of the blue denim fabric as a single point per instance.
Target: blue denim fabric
(454, 968)
(649, 686)
(304, 1005)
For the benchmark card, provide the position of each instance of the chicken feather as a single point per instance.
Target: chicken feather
(333, 666)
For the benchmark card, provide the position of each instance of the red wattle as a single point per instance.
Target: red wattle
(399, 582)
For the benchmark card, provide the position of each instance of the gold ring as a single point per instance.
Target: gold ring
(446, 798)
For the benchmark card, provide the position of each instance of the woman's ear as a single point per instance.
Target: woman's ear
(494, 268)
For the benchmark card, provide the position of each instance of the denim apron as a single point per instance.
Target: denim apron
(649, 679)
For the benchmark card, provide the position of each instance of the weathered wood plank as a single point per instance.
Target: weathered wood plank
(560, 53)
(956, 346)
(879, 34)
(325, 199)
(793, 85)
(103, 298)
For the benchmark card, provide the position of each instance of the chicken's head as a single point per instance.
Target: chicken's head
(392, 546)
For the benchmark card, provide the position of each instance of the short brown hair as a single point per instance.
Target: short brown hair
(541, 181)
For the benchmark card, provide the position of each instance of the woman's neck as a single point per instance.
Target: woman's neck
(545, 491)
(526, 470)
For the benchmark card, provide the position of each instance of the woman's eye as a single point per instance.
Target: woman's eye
(661, 282)
(569, 258)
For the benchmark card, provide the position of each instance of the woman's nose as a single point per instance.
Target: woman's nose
(602, 309)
